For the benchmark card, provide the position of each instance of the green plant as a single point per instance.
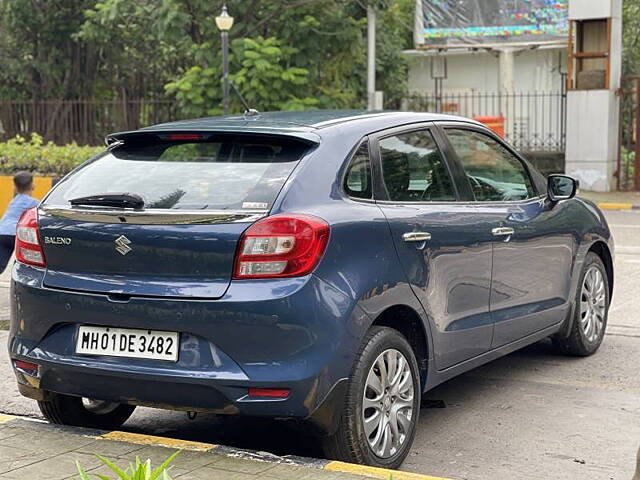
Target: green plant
(135, 471)
(267, 77)
(34, 155)
(264, 74)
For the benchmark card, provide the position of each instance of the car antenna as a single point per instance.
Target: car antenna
(248, 111)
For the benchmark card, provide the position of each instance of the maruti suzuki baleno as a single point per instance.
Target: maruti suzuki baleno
(324, 267)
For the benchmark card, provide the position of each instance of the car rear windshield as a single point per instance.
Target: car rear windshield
(226, 173)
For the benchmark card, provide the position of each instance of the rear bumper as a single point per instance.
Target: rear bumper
(299, 334)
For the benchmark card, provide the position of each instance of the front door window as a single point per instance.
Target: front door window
(495, 174)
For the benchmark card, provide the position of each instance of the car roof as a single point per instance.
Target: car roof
(315, 120)
(307, 125)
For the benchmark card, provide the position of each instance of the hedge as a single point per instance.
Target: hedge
(42, 158)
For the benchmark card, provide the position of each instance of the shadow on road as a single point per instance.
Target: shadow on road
(290, 438)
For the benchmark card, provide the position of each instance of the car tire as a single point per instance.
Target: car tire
(386, 439)
(79, 412)
(591, 311)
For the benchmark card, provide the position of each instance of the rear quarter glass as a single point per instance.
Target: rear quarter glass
(222, 173)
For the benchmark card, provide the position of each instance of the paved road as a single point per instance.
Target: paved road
(529, 415)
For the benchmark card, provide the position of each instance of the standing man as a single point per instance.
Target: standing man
(23, 188)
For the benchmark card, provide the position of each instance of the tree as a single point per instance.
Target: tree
(631, 37)
(285, 54)
(39, 56)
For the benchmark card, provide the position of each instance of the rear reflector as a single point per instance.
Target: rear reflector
(269, 392)
(27, 367)
(281, 246)
(28, 248)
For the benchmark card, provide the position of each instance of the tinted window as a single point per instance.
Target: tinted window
(232, 173)
(495, 173)
(414, 170)
(358, 178)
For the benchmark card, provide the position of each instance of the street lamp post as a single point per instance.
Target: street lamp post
(224, 21)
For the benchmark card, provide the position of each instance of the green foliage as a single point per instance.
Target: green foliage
(297, 54)
(265, 77)
(198, 91)
(631, 37)
(44, 158)
(39, 57)
(135, 471)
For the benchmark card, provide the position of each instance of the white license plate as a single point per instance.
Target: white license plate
(127, 342)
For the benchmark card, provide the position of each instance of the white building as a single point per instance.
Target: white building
(500, 63)
(508, 68)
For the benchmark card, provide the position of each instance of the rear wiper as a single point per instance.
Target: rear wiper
(113, 200)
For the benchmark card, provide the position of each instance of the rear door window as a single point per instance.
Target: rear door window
(226, 173)
(414, 170)
(358, 179)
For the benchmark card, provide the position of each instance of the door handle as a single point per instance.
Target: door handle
(416, 237)
(502, 231)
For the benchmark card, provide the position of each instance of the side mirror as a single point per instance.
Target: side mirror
(561, 187)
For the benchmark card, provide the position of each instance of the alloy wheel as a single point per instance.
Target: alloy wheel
(99, 407)
(593, 300)
(387, 404)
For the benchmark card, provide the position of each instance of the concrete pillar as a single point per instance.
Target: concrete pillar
(506, 81)
(507, 78)
(418, 24)
(593, 116)
(371, 56)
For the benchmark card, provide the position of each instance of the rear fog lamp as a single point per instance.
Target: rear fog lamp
(26, 367)
(269, 392)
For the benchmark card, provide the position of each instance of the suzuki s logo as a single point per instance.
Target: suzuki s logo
(122, 245)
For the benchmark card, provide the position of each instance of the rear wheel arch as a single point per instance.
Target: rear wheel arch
(409, 324)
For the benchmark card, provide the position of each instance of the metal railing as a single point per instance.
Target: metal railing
(533, 121)
(83, 121)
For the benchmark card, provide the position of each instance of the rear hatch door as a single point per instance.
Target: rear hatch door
(200, 191)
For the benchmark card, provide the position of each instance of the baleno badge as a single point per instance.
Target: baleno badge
(122, 245)
(57, 240)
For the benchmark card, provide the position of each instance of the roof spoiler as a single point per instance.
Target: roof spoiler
(114, 140)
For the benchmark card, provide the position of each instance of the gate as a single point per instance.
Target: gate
(628, 171)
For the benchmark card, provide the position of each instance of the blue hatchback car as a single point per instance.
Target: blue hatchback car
(325, 267)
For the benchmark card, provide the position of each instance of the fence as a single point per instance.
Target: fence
(83, 121)
(534, 121)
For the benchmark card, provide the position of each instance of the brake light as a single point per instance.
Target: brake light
(184, 136)
(28, 248)
(281, 246)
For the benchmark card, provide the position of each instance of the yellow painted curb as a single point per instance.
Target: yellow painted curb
(615, 206)
(141, 439)
(375, 472)
(6, 418)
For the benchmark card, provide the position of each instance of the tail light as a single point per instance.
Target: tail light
(28, 248)
(281, 246)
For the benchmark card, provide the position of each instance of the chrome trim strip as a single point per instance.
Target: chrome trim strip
(152, 217)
